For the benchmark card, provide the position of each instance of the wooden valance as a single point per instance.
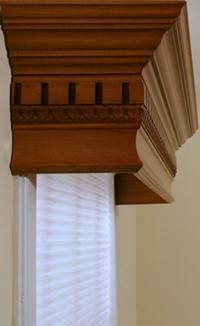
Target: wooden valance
(101, 86)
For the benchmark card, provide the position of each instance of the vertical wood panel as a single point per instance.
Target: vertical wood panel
(58, 92)
(85, 93)
(31, 92)
(112, 92)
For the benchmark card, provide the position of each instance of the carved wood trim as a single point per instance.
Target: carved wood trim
(130, 190)
(101, 86)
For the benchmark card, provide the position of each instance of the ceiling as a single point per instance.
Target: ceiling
(194, 23)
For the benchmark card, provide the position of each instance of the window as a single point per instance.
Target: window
(71, 242)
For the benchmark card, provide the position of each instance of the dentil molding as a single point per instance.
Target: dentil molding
(101, 86)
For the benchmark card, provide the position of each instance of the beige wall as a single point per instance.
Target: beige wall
(126, 265)
(6, 195)
(168, 250)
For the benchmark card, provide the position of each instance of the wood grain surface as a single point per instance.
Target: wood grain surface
(81, 99)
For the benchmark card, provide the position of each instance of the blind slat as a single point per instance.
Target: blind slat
(75, 250)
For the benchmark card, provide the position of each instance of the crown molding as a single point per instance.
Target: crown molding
(101, 86)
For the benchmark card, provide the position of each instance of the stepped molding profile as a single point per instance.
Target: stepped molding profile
(101, 86)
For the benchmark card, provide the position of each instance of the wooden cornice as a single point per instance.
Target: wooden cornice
(101, 86)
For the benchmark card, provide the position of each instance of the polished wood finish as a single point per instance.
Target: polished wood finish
(88, 93)
(130, 190)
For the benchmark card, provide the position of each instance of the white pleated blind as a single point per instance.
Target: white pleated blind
(75, 276)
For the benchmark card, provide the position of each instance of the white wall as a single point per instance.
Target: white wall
(6, 195)
(168, 250)
(126, 265)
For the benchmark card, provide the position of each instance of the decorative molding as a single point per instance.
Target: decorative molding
(101, 86)
(131, 114)
(170, 81)
(130, 190)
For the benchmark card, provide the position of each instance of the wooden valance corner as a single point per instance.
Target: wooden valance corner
(101, 86)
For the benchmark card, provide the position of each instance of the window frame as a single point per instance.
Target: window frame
(25, 253)
(25, 282)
